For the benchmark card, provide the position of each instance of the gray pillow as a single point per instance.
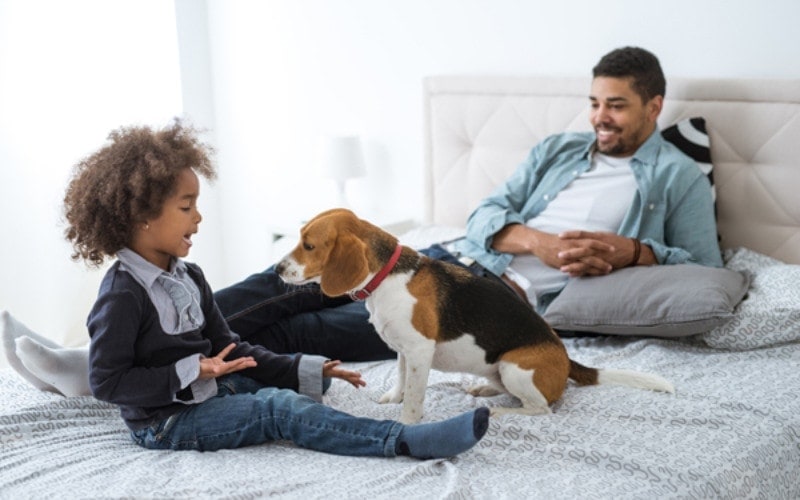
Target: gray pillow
(657, 301)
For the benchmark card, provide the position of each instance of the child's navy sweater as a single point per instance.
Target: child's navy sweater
(133, 361)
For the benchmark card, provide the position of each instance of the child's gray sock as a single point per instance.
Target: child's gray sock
(443, 439)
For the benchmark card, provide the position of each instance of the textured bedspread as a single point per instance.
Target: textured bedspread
(732, 430)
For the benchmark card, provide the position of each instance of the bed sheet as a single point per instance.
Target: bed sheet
(731, 430)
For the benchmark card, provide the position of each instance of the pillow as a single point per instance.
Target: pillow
(658, 301)
(426, 235)
(690, 136)
(770, 314)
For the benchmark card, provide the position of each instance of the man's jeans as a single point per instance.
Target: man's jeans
(244, 413)
(284, 318)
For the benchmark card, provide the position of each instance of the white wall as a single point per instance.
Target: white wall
(289, 71)
(273, 77)
(70, 72)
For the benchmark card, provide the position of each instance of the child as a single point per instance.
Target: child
(161, 350)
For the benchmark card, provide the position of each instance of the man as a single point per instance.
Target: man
(635, 198)
(581, 204)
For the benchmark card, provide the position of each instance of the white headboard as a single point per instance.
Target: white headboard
(479, 128)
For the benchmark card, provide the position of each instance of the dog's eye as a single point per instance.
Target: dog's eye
(308, 247)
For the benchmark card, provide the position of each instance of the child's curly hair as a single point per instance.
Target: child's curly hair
(126, 182)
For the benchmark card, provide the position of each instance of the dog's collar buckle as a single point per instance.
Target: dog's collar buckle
(360, 294)
(365, 292)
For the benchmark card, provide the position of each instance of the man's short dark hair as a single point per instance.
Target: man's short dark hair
(636, 63)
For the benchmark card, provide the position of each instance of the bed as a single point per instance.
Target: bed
(731, 430)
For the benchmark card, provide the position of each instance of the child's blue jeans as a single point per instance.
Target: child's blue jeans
(244, 413)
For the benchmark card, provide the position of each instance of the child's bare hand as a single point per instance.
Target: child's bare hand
(217, 366)
(332, 369)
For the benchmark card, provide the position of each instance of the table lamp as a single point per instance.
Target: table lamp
(343, 159)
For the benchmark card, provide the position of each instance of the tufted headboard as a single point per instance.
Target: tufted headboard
(479, 128)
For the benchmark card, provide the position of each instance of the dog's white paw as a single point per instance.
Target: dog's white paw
(393, 395)
(484, 391)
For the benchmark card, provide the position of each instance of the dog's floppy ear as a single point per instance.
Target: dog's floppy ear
(329, 212)
(346, 266)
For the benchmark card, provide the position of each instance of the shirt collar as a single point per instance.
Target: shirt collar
(647, 152)
(146, 272)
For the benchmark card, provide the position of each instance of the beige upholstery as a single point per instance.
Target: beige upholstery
(479, 128)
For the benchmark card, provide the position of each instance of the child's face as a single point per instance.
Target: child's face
(169, 235)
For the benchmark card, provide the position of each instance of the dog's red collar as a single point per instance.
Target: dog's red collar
(375, 281)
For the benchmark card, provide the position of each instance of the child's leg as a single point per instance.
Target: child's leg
(445, 438)
(279, 414)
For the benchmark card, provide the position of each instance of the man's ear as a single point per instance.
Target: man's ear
(654, 107)
(346, 266)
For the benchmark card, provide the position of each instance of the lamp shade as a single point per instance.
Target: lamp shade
(343, 158)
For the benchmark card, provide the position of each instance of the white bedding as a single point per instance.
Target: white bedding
(732, 430)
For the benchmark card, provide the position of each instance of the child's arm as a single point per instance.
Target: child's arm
(115, 374)
(300, 372)
(217, 366)
(332, 369)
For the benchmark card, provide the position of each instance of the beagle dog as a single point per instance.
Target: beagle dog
(439, 315)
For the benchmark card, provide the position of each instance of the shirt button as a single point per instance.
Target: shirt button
(574, 173)
(546, 197)
(651, 206)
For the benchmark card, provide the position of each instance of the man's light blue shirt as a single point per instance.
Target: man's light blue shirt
(672, 210)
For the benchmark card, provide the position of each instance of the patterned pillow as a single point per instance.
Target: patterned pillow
(690, 136)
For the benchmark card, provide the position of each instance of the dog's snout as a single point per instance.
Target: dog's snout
(288, 270)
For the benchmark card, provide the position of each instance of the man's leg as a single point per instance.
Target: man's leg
(284, 318)
(65, 369)
(342, 332)
(13, 330)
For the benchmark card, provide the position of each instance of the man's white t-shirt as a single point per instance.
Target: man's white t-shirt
(596, 200)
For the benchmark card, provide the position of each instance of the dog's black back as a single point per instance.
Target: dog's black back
(485, 309)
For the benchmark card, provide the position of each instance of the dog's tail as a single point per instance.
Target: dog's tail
(583, 375)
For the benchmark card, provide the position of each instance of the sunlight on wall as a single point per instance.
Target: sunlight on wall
(70, 72)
